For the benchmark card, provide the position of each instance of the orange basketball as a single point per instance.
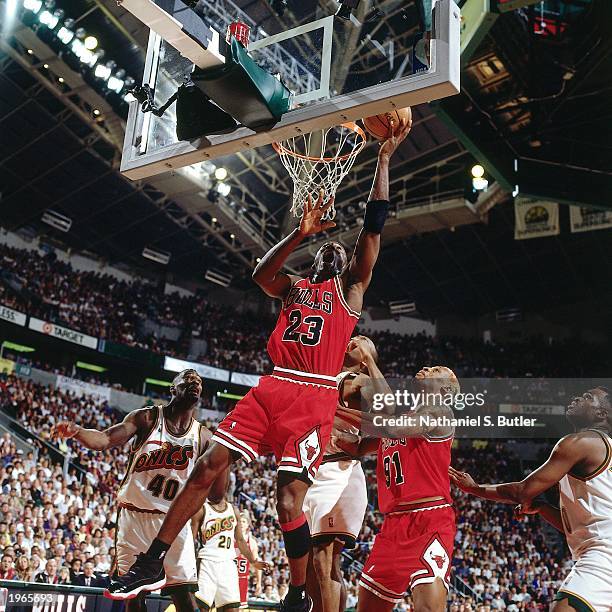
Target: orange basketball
(380, 125)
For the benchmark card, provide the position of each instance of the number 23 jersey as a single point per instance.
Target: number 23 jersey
(313, 329)
(159, 467)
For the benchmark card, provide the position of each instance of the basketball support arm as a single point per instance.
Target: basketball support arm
(184, 29)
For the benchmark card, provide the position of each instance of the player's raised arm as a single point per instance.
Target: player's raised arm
(368, 243)
(268, 273)
(568, 452)
(116, 435)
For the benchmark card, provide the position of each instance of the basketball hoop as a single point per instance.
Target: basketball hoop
(320, 160)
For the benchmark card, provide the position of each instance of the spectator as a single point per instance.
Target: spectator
(88, 578)
(49, 576)
(22, 569)
(7, 572)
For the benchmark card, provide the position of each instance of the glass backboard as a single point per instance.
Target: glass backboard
(337, 69)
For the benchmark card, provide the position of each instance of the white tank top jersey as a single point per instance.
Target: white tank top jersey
(586, 507)
(218, 535)
(332, 451)
(159, 467)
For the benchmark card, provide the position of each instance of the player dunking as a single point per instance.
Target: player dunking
(292, 410)
(166, 443)
(336, 503)
(414, 548)
(582, 465)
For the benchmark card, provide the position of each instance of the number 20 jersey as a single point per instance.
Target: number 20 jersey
(313, 329)
(159, 467)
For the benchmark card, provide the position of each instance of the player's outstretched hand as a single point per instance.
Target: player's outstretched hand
(312, 216)
(64, 430)
(463, 480)
(399, 133)
(263, 566)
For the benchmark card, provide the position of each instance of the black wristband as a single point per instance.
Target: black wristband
(375, 216)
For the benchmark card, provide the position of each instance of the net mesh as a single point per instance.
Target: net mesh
(320, 160)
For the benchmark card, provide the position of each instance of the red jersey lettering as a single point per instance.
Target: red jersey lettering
(410, 469)
(313, 329)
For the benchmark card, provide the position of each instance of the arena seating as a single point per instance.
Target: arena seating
(51, 289)
(53, 522)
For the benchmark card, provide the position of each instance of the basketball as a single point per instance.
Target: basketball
(379, 126)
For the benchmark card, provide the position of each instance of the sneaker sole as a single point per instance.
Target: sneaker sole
(135, 592)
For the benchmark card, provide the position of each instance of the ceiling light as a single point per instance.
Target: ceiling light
(46, 66)
(61, 79)
(96, 112)
(115, 84)
(479, 183)
(30, 52)
(214, 219)
(102, 72)
(223, 188)
(477, 171)
(65, 35)
(47, 18)
(32, 5)
(91, 42)
(221, 173)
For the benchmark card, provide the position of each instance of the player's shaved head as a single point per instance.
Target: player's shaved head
(441, 377)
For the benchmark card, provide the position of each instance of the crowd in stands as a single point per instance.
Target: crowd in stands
(58, 526)
(127, 311)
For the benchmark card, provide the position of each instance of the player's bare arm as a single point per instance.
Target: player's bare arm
(244, 547)
(359, 273)
(136, 422)
(575, 452)
(550, 513)
(268, 273)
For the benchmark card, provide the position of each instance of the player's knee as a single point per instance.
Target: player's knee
(287, 506)
(322, 566)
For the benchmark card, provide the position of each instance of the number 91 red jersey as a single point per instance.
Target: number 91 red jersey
(409, 469)
(313, 329)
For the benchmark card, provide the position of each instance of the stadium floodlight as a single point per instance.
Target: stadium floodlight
(478, 171)
(91, 42)
(65, 35)
(223, 189)
(85, 55)
(161, 257)
(480, 183)
(218, 277)
(57, 220)
(115, 84)
(102, 72)
(32, 5)
(49, 19)
(220, 173)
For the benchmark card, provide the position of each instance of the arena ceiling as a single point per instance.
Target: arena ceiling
(54, 154)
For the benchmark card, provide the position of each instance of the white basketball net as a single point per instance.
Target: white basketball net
(320, 160)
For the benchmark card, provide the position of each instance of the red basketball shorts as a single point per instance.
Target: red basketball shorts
(291, 419)
(413, 547)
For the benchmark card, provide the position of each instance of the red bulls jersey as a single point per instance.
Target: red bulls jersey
(409, 469)
(313, 329)
(244, 569)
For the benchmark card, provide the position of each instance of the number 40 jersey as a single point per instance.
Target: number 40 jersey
(159, 467)
(313, 329)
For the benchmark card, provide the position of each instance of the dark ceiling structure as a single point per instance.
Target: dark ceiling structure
(544, 102)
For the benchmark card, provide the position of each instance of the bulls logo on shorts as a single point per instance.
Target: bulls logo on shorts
(437, 558)
(309, 448)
